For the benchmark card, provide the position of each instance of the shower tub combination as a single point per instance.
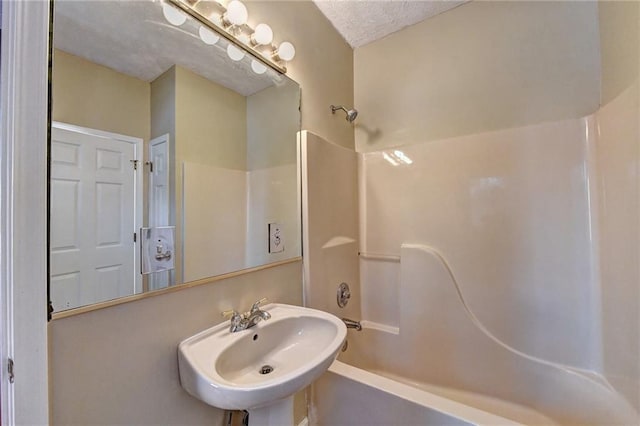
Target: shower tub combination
(442, 366)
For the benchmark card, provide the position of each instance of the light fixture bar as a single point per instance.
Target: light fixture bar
(189, 10)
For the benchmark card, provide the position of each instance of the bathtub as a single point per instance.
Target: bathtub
(369, 372)
(347, 395)
(440, 365)
(364, 386)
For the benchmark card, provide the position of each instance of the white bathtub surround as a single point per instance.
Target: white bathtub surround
(454, 350)
(330, 224)
(380, 294)
(517, 215)
(618, 163)
(521, 215)
(510, 211)
(448, 352)
(380, 327)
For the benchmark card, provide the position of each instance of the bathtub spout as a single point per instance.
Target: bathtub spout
(352, 324)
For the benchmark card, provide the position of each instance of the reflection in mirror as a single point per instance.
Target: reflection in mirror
(166, 156)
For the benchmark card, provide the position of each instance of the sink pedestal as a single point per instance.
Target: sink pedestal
(280, 413)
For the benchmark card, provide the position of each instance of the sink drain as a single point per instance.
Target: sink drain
(266, 369)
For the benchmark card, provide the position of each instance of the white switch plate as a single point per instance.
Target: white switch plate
(276, 238)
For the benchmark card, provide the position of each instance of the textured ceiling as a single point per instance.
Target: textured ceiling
(132, 37)
(363, 21)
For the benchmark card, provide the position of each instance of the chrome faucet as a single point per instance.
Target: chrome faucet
(247, 320)
(352, 324)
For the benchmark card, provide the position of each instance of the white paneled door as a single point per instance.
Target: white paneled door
(93, 217)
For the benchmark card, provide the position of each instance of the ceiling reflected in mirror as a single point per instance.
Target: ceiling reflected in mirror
(150, 45)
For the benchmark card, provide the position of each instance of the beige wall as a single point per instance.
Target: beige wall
(118, 365)
(211, 123)
(163, 104)
(163, 121)
(214, 205)
(272, 183)
(618, 164)
(271, 127)
(619, 46)
(480, 67)
(210, 129)
(90, 95)
(323, 65)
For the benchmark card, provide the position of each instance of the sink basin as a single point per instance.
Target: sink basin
(266, 363)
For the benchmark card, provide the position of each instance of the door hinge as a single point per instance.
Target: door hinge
(150, 163)
(12, 377)
(135, 164)
(135, 237)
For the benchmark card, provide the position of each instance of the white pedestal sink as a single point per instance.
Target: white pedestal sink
(277, 413)
(259, 369)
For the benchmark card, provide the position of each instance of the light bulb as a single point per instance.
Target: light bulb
(234, 53)
(243, 38)
(208, 36)
(262, 35)
(236, 13)
(286, 51)
(258, 67)
(173, 15)
(218, 20)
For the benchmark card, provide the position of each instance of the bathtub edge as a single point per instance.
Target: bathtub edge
(421, 397)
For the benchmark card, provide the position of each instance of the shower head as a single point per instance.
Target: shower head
(351, 113)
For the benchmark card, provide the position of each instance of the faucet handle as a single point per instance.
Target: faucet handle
(255, 306)
(236, 320)
(230, 313)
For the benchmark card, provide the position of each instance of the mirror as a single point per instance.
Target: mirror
(166, 155)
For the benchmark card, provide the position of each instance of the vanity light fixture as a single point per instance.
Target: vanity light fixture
(243, 38)
(262, 35)
(231, 24)
(258, 67)
(208, 36)
(234, 53)
(236, 14)
(173, 15)
(285, 52)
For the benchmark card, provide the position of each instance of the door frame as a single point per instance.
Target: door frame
(137, 189)
(165, 138)
(153, 142)
(24, 129)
